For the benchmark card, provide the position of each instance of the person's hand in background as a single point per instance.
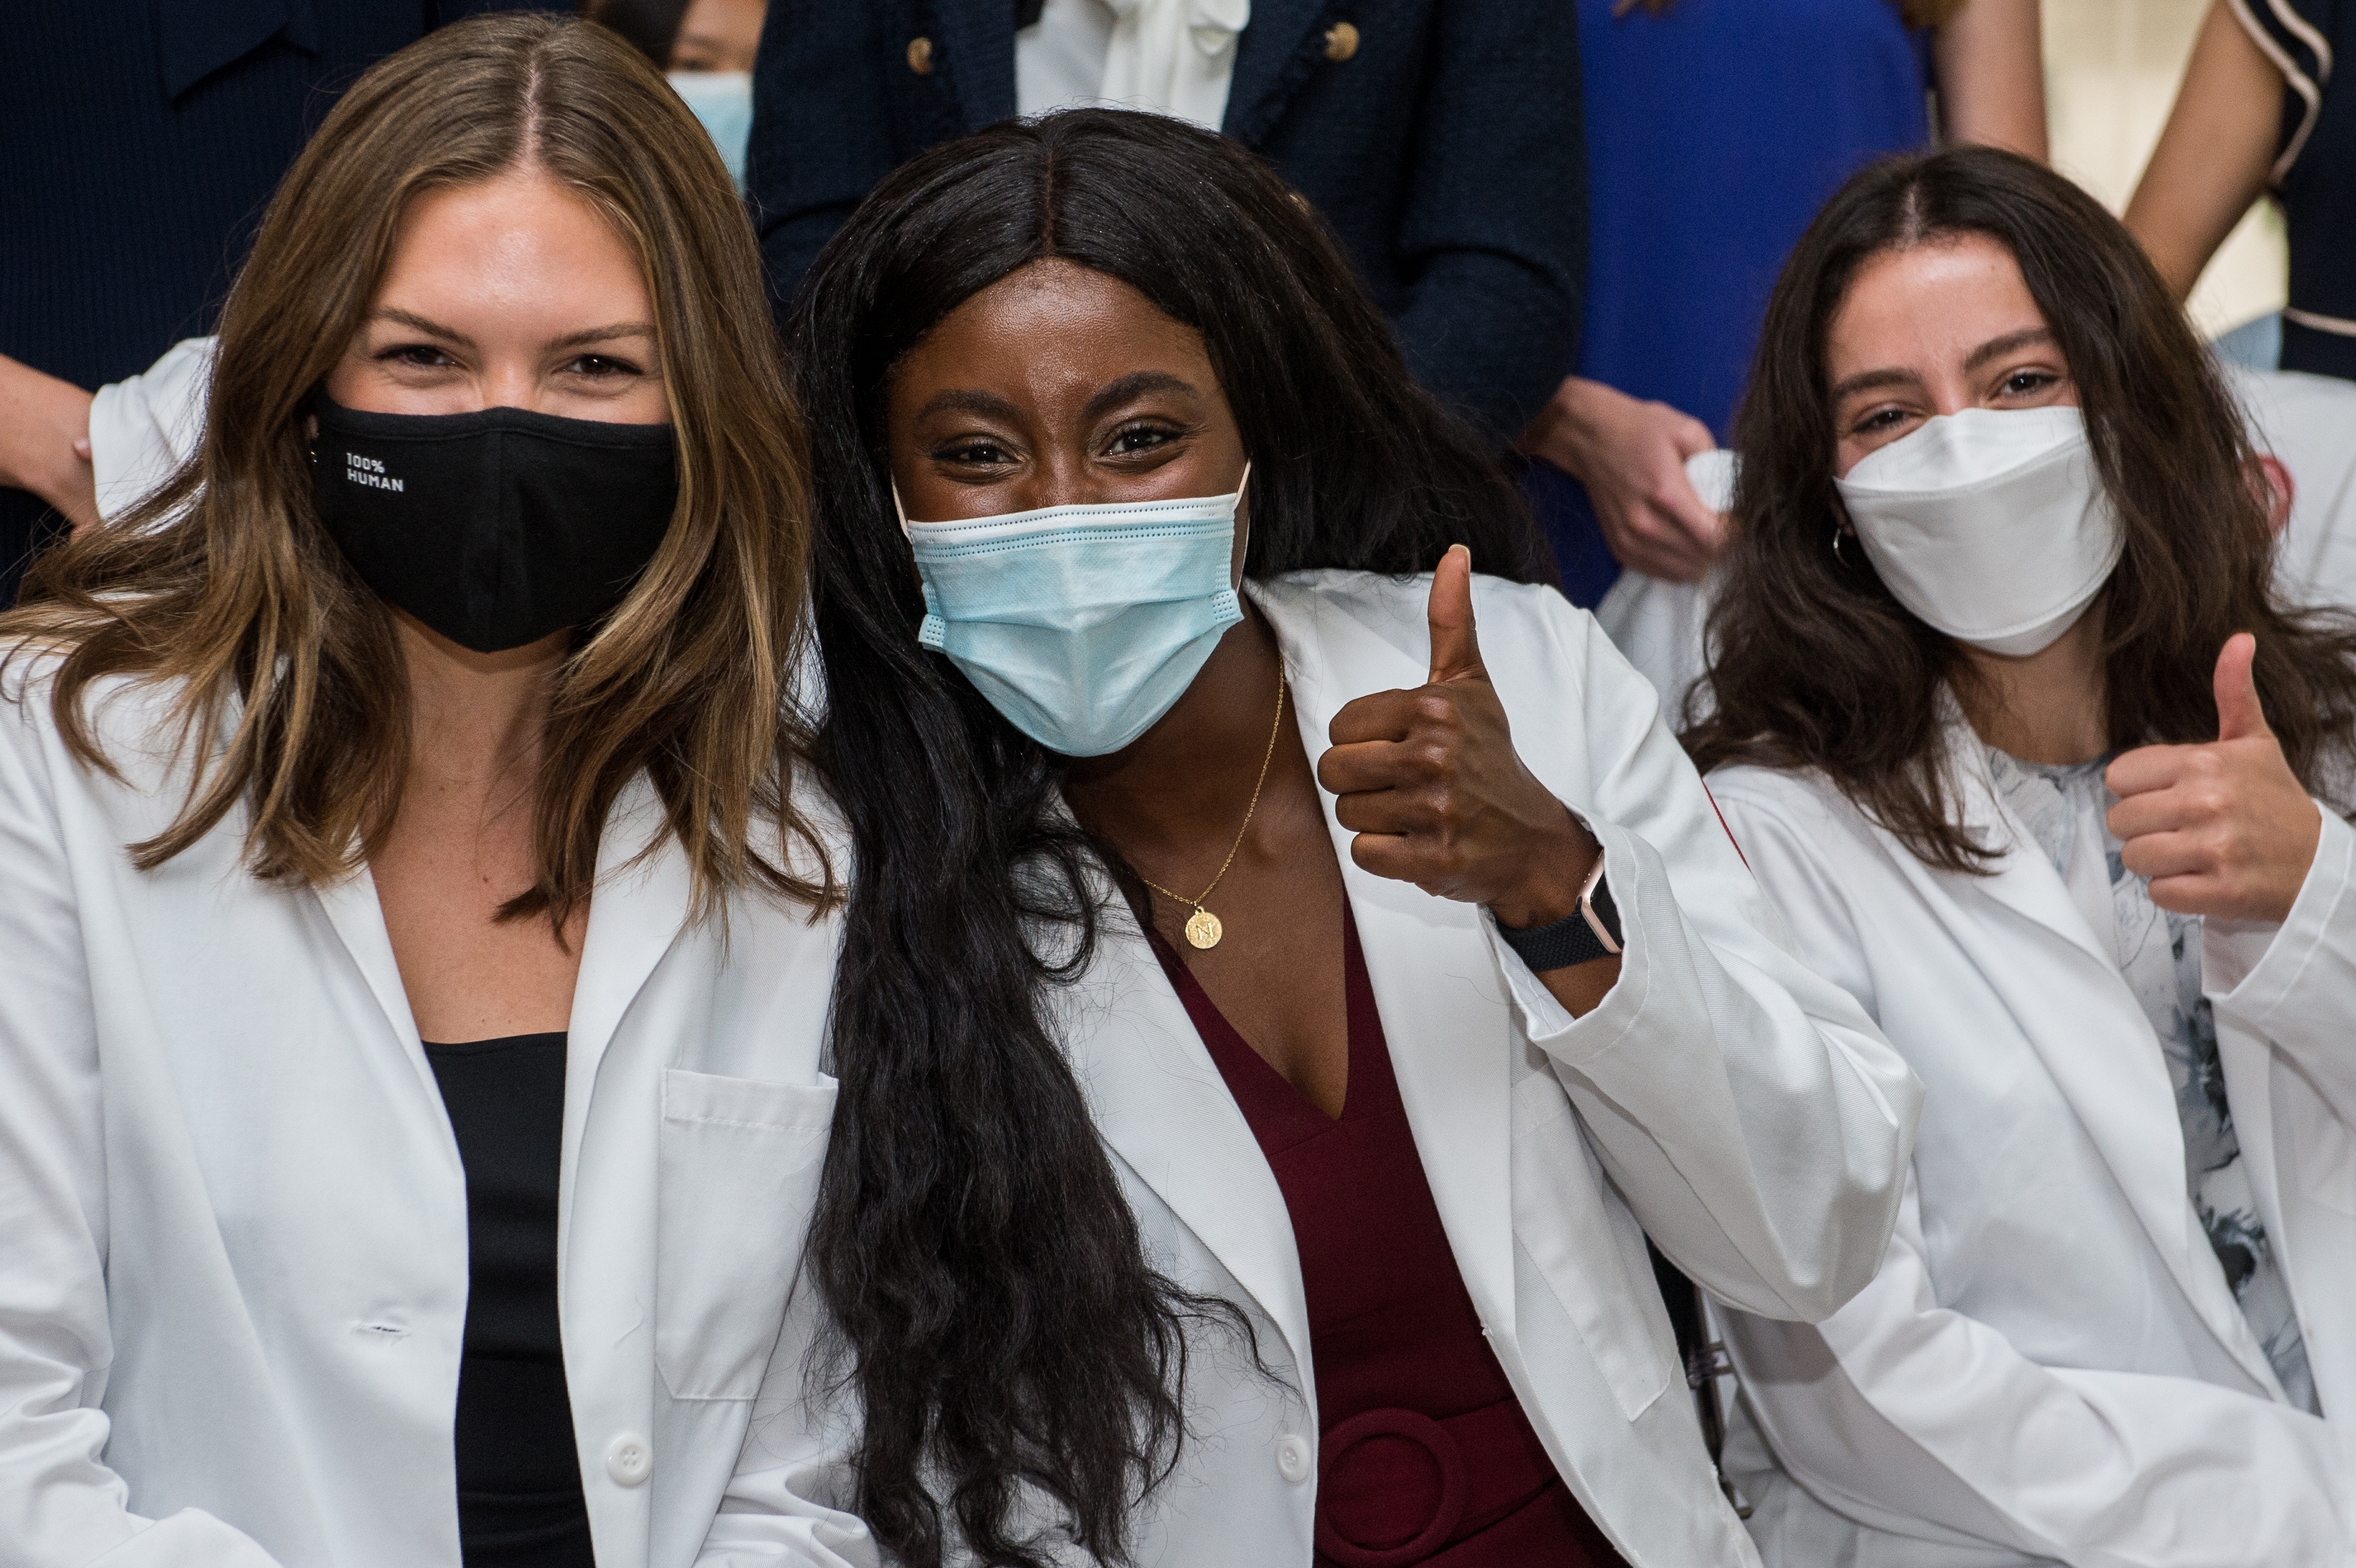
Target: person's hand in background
(45, 440)
(1631, 455)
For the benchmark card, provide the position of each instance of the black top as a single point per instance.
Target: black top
(2315, 174)
(519, 1499)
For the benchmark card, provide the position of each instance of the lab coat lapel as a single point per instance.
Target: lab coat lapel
(637, 913)
(1159, 1100)
(358, 918)
(1443, 1004)
(2103, 1057)
(627, 937)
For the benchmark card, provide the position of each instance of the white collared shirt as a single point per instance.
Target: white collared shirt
(1173, 57)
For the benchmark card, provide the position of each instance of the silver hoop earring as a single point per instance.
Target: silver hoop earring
(1836, 548)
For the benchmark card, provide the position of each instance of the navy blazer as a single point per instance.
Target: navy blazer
(1446, 152)
(143, 139)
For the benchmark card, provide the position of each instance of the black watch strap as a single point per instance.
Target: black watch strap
(1568, 941)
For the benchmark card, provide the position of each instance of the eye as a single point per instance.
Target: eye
(976, 451)
(603, 367)
(2026, 383)
(1135, 440)
(423, 356)
(1878, 420)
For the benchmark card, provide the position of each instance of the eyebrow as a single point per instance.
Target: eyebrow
(569, 340)
(1994, 348)
(989, 405)
(588, 336)
(1133, 386)
(430, 327)
(1865, 380)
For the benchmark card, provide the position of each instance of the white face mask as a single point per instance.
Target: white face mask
(1993, 525)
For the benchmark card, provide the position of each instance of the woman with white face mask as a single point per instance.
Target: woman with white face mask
(1991, 726)
(1282, 968)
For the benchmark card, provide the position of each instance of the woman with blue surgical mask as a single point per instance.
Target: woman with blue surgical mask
(706, 48)
(2012, 724)
(1289, 967)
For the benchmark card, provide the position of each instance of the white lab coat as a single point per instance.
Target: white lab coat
(1736, 1105)
(2050, 1366)
(233, 1265)
(145, 426)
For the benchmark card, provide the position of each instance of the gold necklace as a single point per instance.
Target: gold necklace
(1203, 927)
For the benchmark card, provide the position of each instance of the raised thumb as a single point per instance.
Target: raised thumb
(2239, 715)
(1455, 649)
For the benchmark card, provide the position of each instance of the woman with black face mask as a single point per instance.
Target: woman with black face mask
(407, 961)
(1284, 968)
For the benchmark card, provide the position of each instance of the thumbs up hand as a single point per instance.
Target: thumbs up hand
(2225, 828)
(1430, 782)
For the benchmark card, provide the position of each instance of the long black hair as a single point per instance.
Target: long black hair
(999, 1320)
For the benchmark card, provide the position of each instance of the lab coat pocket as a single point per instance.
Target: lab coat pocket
(736, 1179)
(1559, 1216)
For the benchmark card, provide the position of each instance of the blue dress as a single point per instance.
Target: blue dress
(1714, 132)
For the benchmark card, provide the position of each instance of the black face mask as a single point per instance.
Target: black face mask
(495, 529)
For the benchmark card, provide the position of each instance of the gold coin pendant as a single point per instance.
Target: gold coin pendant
(1202, 929)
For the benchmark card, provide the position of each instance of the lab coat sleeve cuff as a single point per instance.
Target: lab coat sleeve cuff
(2289, 982)
(1543, 1018)
(189, 1539)
(1545, 1021)
(145, 426)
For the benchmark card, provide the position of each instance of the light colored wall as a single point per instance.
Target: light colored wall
(2111, 72)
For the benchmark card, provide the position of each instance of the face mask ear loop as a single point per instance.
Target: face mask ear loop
(1245, 558)
(897, 510)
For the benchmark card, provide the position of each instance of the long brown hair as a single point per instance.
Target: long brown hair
(225, 585)
(1812, 662)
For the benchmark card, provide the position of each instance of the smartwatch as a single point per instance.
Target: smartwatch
(1589, 932)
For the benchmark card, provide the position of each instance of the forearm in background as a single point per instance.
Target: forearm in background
(1990, 66)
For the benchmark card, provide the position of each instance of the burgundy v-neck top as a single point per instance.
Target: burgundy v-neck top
(1426, 1456)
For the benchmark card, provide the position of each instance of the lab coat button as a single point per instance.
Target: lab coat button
(1292, 1457)
(628, 1459)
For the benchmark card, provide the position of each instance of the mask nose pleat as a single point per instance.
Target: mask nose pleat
(489, 550)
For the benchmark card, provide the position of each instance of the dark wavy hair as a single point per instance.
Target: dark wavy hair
(996, 1316)
(1814, 664)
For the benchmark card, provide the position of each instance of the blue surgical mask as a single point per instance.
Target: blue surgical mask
(1081, 625)
(723, 100)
